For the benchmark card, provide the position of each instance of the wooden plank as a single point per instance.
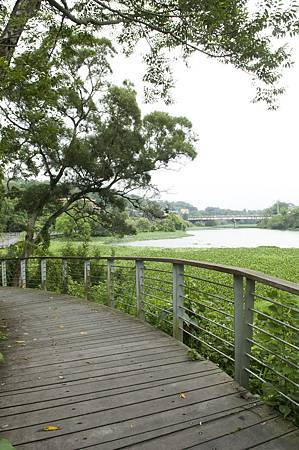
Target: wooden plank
(249, 436)
(109, 375)
(288, 441)
(121, 387)
(116, 401)
(118, 413)
(79, 365)
(185, 434)
(93, 353)
(104, 350)
(92, 390)
(108, 435)
(92, 373)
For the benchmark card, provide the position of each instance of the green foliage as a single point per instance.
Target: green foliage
(12, 217)
(249, 36)
(71, 228)
(194, 355)
(84, 138)
(288, 220)
(5, 444)
(171, 222)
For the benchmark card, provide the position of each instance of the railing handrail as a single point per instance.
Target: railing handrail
(284, 285)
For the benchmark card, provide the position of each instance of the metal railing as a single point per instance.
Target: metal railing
(245, 321)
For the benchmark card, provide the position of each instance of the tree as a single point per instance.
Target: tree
(83, 139)
(233, 31)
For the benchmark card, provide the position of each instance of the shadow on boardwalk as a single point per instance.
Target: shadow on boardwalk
(109, 381)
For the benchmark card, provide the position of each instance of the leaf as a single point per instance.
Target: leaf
(182, 395)
(52, 428)
(20, 342)
(5, 445)
(285, 410)
(192, 353)
(83, 333)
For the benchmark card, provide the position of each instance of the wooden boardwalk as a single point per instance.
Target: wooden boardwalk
(109, 381)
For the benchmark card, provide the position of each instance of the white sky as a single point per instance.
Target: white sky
(247, 156)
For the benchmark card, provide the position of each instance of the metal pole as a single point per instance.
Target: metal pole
(3, 273)
(110, 271)
(23, 274)
(43, 273)
(87, 279)
(243, 331)
(178, 298)
(238, 323)
(64, 276)
(140, 289)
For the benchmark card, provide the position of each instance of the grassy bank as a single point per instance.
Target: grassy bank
(144, 236)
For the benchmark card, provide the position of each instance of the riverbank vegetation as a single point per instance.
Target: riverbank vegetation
(287, 220)
(280, 262)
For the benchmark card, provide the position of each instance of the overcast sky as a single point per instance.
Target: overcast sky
(247, 156)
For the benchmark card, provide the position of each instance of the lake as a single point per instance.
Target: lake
(225, 238)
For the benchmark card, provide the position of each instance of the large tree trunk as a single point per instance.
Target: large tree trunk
(22, 12)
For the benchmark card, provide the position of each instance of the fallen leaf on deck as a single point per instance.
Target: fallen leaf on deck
(61, 326)
(182, 395)
(61, 377)
(20, 342)
(52, 428)
(83, 333)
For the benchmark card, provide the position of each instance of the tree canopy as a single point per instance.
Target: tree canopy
(240, 32)
(83, 139)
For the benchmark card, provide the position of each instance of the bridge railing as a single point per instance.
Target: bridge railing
(245, 321)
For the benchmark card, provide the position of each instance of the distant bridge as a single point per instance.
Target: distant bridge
(232, 218)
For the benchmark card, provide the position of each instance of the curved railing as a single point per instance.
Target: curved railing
(245, 321)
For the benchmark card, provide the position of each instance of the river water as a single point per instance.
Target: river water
(227, 237)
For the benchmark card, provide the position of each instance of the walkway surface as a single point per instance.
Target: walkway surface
(109, 381)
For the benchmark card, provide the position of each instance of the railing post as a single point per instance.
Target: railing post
(177, 299)
(140, 289)
(243, 332)
(3, 273)
(87, 279)
(64, 276)
(43, 274)
(23, 273)
(110, 271)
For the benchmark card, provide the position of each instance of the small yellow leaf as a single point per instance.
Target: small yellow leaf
(83, 333)
(52, 428)
(182, 395)
(61, 327)
(20, 342)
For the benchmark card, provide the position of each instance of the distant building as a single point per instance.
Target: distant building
(184, 211)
